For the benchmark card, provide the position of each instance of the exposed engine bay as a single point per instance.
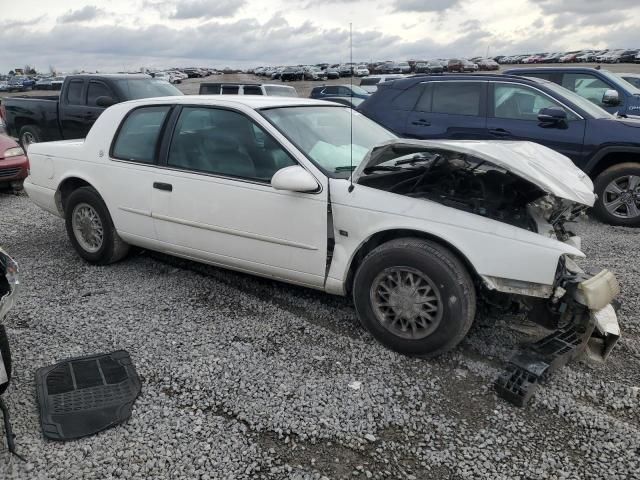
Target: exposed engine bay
(468, 183)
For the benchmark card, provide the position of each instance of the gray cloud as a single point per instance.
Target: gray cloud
(82, 15)
(206, 9)
(423, 5)
(584, 6)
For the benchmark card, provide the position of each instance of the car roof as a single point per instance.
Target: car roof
(255, 102)
(403, 83)
(554, 69)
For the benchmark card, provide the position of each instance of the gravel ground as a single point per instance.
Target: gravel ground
(248, 378)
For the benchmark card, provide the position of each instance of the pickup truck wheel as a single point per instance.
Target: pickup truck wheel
(618, 190)
(414, 296)
(90, 228)
(29, 134)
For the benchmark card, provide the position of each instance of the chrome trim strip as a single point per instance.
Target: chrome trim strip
(135, 211)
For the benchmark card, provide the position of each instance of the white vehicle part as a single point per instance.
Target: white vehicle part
(551, 171)
(606, 334)
(598, 292)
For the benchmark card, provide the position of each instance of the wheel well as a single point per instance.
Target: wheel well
(66, 188)
(21, 122)
(611, 159)
(387, 235)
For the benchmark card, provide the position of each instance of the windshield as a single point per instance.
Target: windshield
(616, 78)
(359, 91)
(324, 135)
(146, 88)
(591, 108)
(277, 91)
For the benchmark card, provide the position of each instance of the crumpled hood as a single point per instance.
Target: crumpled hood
(549, 170)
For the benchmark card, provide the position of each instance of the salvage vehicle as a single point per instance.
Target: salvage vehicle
(247, 89)
(339, 91)
(506, 107)
(419, 233)
(8, 291)
(14, 164)
(20, 83)
(82, 99)
(291, 74)
(601, 87)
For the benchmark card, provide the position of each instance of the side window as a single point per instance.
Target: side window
(424, 104)
(331, 91)
(74, 92)
(96, 90)
(544, 76)
(210, 90)
(139, 133)
(230, 89)
(344, 91)
(223, 142)
(457, 98)
(586, 85)
(252, 90)
(519, 102)
(407, 99)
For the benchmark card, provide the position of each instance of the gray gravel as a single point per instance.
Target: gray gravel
(247, 378)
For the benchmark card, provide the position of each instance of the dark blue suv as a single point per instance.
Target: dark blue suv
(505, 107)
(339, 91)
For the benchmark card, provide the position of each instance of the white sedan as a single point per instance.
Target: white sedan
(315, 194)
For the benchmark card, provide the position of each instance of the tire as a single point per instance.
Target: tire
(29, 134)
(440, 274)
(626, 176)
(111, 248)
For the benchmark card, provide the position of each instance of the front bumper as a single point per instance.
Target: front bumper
(13, 169)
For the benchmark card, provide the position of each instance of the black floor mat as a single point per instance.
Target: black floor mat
(82, 396)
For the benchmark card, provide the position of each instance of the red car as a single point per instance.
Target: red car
(14, 164)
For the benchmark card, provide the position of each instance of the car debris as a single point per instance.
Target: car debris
(85, 395)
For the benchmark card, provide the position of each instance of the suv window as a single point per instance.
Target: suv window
(252, 90)
(407, 99)
(457, 98)
(96, 90)
(519, 102)
(230, 89)
(223, 142)
(369, 81)
(331, 91)
(210, 89)
(586, 85)
(74, 92)
(138, 135)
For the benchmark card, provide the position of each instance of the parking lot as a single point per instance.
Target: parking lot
(249, 378)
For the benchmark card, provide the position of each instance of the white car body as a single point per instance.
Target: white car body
(257, 228)
(361, 71)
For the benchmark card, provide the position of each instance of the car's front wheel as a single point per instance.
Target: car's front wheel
(414, 296)
(618, 190)
(90, 228)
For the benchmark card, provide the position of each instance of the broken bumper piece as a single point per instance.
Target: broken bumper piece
(594, 331)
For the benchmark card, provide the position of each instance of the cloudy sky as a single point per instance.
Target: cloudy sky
(113, 35)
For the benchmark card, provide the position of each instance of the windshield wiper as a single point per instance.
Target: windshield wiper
(345, 168)
(381, 168)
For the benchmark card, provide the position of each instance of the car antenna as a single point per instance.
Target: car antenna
(351, 108)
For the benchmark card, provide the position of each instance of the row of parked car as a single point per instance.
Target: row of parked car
(601, 56)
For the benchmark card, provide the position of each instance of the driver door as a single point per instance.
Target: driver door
(212, 200)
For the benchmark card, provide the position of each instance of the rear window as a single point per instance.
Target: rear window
(456, 98)
(74, 92)
(139, 133)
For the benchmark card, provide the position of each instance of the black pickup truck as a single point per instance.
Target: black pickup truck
(82, 99)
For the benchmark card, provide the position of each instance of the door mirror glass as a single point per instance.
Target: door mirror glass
(552, 115)
(105, 101)
(294, 179)
(611, 98)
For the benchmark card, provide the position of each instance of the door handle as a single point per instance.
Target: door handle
(499, 132)
(167, 187)
(421, 123)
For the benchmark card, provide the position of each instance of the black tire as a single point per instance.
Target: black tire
(601, 183)
(454, 286)
(29, 134)
(112, 247)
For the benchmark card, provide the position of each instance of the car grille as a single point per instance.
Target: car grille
(9, 172)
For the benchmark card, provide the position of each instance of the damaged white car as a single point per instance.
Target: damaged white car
(303, 191)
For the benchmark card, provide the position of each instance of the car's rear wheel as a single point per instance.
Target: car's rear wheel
(618, 190)
(29, 134)
(90, 228)
(414, 296)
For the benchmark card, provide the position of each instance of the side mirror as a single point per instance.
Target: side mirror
(552, 116)
(611, 98)
(105, 102)
(294, 179)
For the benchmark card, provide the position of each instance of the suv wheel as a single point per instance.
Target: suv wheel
(618, 190)
(414, 296)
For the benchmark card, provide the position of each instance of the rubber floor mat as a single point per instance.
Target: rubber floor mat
(82, 396)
